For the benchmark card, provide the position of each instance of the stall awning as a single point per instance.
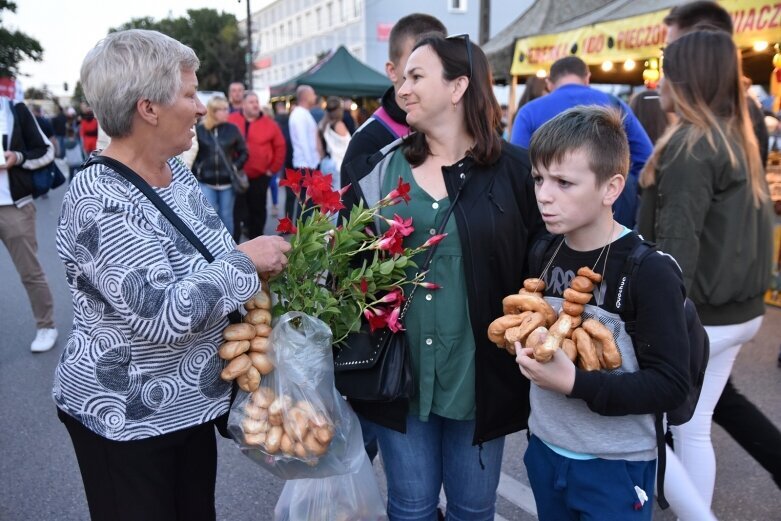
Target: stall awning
(338, 74)
(637, 37)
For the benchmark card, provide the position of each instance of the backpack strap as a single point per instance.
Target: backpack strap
(625, 304)
(538, 251)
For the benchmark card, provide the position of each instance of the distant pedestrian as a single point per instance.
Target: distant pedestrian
(25, 148)
(335, 137)
(88, 129)
(221, 150)
(236, 92)
(569, 86)
(648, 111)
(304, 136)
(266, 148)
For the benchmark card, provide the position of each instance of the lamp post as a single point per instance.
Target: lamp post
(248, 57)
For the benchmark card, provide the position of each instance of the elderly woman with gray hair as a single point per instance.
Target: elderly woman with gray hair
(138, 384)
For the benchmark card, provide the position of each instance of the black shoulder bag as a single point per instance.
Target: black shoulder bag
(375, 366)
(221, 422)
(239, 179)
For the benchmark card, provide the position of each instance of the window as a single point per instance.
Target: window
(456, 6)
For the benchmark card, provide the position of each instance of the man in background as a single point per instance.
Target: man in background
(235, 97)
(569, 86)
(266, 148)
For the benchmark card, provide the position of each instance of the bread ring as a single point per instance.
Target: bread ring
(585, 271)
(582, 284)
(534, 285)
(599, 350)
(236, 367)
(610, 354)
(262, 300)
(233, 348)
(262, 330)
(576, 296)
(568, 346)
(572, 308)
(586, 352)
(536, 338)
(258, 316)
(523, 291)
(239, 332)
(514, 304)
(249, 381)
(562, 326)
(259, 344)
(497, 328)
(531, 321)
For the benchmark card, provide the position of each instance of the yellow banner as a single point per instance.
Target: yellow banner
(638, 37)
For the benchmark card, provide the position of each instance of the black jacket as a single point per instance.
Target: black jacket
(211, 169)
(373, 135)
(33, 151)
(497, 219)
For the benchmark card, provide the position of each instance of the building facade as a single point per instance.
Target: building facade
(289, 36)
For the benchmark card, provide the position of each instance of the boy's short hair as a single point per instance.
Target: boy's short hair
(411, 26)
(701, 12)
(597, 130)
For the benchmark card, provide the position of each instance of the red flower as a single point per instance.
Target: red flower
(402, 226)
(436, 239)
(293, 180)
(393, 320)
(286, 226)
(391, 242)
(394, 296)
(364, 285)
(377, 318)
(400, 193)
(429, 285)
(329, 202)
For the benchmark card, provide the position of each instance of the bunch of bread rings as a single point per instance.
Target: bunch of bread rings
(246, 345)
(277, 424)
(530, 320)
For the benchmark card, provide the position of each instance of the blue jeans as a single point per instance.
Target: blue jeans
(588, 490)
(222, 202)
(436, 453)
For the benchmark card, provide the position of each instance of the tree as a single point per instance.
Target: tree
(215, 38)
(38, 94)
(78, 95)
(15, 47)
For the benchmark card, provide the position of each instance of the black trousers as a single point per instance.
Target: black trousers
(165, 478)
(256, 198)
(750, 428)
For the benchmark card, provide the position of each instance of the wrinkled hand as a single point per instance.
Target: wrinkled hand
(10, 159)
(267, 253)
(556, 375)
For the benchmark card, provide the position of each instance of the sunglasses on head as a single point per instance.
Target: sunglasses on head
(468, 43)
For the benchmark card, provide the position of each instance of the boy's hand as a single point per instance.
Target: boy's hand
(557, 375)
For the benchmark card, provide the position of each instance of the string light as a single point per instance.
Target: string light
(629, 65)
(607, 66)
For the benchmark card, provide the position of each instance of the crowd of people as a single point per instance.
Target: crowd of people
(143, 241)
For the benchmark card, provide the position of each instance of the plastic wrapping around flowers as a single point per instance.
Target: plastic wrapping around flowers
(296, 425)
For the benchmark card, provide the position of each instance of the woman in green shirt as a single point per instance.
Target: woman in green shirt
(468, 394)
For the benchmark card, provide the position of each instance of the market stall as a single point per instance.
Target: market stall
(623, 41)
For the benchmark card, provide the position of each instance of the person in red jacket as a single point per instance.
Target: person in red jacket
(88, 129)
(266, 147)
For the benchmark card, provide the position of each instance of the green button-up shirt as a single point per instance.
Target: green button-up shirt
(437, 322)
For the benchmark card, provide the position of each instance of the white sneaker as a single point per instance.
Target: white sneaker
(44, 340)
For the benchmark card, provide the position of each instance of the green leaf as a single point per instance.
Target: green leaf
(387, 267)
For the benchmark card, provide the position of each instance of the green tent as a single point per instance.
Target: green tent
(338, 74)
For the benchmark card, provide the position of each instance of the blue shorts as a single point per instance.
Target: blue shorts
(595, 489)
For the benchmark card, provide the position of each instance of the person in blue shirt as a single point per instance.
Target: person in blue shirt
(569, 86)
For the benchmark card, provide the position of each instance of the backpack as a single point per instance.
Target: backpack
(699, 345)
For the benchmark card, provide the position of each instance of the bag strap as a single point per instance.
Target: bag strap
(221, 152)
(166, 210)
(625, 304)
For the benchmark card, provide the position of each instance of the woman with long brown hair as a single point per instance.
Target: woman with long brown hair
(705, 202)
(468, 394)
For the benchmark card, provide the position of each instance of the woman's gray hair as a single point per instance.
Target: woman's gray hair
(127, 66)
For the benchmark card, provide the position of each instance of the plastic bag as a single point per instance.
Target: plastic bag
(297, 425)
(348, 497)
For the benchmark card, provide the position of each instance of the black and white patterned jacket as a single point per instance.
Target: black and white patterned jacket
(141, 359)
